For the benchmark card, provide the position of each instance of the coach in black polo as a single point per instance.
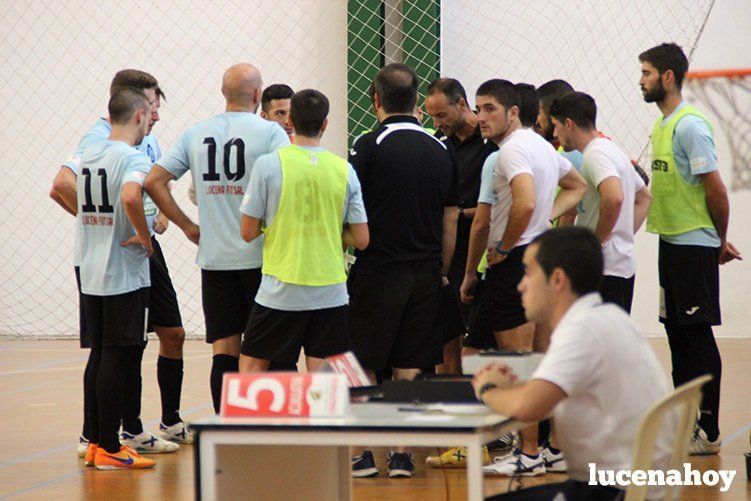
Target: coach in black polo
(410, 190)
(458, 128)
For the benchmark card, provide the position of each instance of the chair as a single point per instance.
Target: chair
(685, 400)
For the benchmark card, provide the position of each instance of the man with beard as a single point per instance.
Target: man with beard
(690, 212)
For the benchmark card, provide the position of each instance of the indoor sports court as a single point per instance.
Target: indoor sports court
(59, 64)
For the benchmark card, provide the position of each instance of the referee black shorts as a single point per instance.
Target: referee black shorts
(279, 335)
(163, 308)
(689, 284)
(394, 316)
(117, 321)
(228, 297)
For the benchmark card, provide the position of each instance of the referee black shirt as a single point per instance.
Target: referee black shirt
(469, 157)
(407, 179)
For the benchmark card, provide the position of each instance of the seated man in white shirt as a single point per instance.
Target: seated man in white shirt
(598, 377)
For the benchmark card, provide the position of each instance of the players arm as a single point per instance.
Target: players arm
(355, 232)
(611, 200)
(64, 190)
(132, 199)
(519, 216)
(642, 200)
(573, 187)
(529, 402)
(157, 186)
(719, 209)
(450, 220)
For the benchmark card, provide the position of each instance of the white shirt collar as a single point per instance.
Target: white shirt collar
(585, 302)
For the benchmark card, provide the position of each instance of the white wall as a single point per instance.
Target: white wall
(57, 61)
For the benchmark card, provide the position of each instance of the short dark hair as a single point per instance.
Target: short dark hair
(135, 79)
(667, 56)
(396, 85)
(577, 252)
(125, 102)
(530, 104)
(577, 106)
(308, 109)
(552, 90)
(275, 91)
(503, 91)
(449, 87)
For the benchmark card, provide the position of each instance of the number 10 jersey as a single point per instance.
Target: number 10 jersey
(219, 153)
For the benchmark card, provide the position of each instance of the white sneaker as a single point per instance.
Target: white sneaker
(83, 444)
(179, 433)
(517, 465)
(702, 446)
(555, 462)
(147, 443)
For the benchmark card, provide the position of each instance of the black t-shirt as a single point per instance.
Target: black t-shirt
(469, 157)
(407, 179)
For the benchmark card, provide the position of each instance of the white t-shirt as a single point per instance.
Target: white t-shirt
(522, 152)
(611, 377)
(603, 159)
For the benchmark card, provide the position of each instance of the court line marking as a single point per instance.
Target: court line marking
(737, 433)
(43, 484)
(44, 367)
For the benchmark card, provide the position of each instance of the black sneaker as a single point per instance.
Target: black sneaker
(503, 443)
(401, 464)
(364, 466)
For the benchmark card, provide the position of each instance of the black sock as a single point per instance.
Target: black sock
(110, 382)
(131, 400)
(221, 364)
(169, 374)
(543, 433)
(90, 407)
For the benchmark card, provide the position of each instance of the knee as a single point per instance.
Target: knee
(171, 338)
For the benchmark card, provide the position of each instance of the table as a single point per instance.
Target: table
(271, 458)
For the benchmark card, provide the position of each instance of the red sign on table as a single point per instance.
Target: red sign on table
(284, 394)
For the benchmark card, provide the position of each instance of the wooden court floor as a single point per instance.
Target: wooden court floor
(40, 418)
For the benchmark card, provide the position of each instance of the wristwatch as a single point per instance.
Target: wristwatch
(501, 251)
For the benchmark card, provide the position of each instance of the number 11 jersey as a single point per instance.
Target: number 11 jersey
(108, 268)
(219, 152)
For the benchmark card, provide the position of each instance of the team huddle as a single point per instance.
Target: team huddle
(410, 252)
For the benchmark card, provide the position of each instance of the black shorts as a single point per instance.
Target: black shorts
(163, 308)
(117, 321)
(479, 333)
(278, 335)
(499, 301)
(393, 315)
(689, 284)
(228, 297)
(618, 290)
(83, 336)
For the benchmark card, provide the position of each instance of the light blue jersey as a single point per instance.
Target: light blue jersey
(262, 202)
(219, 153)
(100, 131)
(695, 153)
(107, 268)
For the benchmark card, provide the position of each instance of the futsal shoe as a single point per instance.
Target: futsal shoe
(83, 445)
(90, 454)
(516, 464)
(363, 466)
(555, 462)
(401, 464)
(147, 443)
(179, 433)
(503, 443)
(456, 457)
(702, 446)
(125, 459)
